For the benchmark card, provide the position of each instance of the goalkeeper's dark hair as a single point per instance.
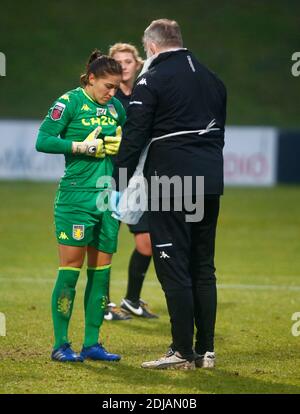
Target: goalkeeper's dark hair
(100, 65)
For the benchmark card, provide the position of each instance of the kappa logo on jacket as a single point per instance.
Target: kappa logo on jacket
(143, 81)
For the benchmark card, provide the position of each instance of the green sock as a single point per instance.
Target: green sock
(95, 300)
(62, 303)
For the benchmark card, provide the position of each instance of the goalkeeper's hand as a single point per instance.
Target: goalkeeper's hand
(91, 146)
(112, 144)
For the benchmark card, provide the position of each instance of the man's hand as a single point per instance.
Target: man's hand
(112, 144)
(91, 146)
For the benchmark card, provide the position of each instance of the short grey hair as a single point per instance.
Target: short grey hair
(164, 32)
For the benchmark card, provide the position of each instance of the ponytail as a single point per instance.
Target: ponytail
(100, 65)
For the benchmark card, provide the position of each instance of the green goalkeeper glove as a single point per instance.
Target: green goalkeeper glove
(91, 146)
(112, 144)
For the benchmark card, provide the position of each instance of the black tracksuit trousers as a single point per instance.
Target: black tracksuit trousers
(183, 255)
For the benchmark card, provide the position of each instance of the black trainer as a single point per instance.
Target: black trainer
(113, 313)
(139, 308)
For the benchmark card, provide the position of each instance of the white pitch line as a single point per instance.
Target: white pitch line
(241, 286)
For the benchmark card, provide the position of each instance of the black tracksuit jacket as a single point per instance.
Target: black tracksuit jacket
(177, 93)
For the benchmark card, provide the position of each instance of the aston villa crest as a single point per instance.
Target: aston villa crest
(112, 110)
(101, 111)
(78, 231)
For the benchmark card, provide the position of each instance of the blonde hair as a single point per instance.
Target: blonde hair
(126, 47)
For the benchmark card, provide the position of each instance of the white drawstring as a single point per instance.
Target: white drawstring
(196, 131)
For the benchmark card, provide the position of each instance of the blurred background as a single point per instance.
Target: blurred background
(250, 45)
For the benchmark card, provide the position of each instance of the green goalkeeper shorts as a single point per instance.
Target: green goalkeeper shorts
(79, 222)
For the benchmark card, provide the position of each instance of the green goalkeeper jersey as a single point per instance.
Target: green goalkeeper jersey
(71, 118)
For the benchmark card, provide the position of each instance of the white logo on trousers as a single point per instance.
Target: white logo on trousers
(164, 255)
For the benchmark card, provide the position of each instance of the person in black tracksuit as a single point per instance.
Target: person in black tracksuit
(178, 95)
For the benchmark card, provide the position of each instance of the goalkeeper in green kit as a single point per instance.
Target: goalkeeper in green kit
(84, 124)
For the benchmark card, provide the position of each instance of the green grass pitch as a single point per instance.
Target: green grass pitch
(258, 270)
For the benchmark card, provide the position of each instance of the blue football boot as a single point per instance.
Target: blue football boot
(65, 354)
(98, 353)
